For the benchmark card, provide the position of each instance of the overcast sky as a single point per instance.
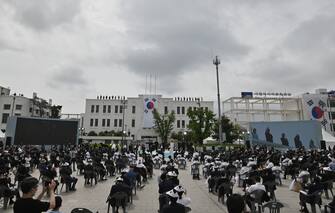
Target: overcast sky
(72, 50)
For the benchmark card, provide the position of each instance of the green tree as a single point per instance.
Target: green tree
(92, 133)
(182, 138)
(164, 125)
(201, 124)
(231, 130)
(55, 111)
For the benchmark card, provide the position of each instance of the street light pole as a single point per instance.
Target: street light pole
(123, 112)
(216, 62)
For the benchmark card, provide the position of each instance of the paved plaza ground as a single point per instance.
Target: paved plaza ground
(146, 200)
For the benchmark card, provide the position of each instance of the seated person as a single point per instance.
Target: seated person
(66, 172)
(173, 206)
(119, 186)
(307, 194)
(257, 186)
(6, 188)
(109, 163)
(27, 203)
(89, 172)
(185, 201)
(236, 204)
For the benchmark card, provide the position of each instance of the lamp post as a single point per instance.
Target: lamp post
(123, 102)
(216, 62)
(184, 137)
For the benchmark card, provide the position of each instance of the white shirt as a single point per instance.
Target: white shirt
(256, 186)
(244, 170)
(185, 201)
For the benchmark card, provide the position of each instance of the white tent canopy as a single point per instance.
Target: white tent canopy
(209, 140)
(330, 140)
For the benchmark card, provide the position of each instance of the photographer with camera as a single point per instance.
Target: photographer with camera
(27, 203)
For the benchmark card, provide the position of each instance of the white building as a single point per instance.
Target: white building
(18, 105)
(106, 113)
(277, 107)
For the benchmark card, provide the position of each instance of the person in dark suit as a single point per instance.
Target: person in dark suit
(297, 142)
(119, 186)
(268, 135)
(284, 140)
(173, 206)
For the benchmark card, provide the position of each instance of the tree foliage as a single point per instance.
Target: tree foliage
(201, 124)
(55, 111)
(92, 133)
(231, 130)
(111, 133)
(164, 125)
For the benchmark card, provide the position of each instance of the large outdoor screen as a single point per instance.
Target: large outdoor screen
(32, 131)
(287, 134)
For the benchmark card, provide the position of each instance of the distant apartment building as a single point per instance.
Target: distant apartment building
(19, 105)
(133, 115)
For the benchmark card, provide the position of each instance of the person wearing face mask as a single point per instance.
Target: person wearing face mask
(27, 203)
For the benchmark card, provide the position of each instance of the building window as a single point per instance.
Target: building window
(133, 123)
(166, 110)
(91, 122)
(4, 118)
(189, 108)
(96, 122)
(30, 109)
(332, 115)
(108, 122)
(17, 114)
(104, 109)
(116, 109)
(120, 122)
(37, 111)
(194, 108)
(133, 110)
(121, 108)
(92, 109)
(183, 124)
(97, 108)
(183, 110)
(6, 106)
(18, 107)
(178, 123)
(332, 103)
(109, 108)
(178, 110)
(103, 122)
(115, 122)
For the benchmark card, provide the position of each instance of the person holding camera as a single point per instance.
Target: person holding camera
(27, 203)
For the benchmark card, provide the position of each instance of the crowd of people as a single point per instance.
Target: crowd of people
(56, 168)
(258, 171)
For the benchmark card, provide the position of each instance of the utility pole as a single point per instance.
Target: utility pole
(123, 123)
(216, 62)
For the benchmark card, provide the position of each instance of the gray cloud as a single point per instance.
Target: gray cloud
(68, 77)
(7, 46)
(43, 15)
(305, 59)
(172, 40)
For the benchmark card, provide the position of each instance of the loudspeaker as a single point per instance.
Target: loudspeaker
(8, 141)
(247, 144)
(323, 145)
